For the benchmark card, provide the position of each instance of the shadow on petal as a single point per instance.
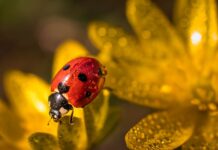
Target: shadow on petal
(43, 141)
(5, 146)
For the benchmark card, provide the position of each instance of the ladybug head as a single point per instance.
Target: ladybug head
(58, 106)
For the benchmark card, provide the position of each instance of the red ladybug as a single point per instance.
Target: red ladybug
(76, 84)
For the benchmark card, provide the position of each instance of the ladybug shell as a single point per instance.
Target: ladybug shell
(80, 93)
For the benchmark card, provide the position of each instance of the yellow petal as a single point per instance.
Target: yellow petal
(65, 52)
(136, 82)
(115, 43)
(146, 86)
(11, 130)
(206, 135)
(153, 29)
(164, 130)
(28, 95)
(197, 22)
(131, 74)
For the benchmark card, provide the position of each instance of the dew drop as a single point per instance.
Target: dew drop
(146, 34)
(102, 31)
(142, 135)
(122, 41)
(212, 106)
(112, 32)
(150, 131)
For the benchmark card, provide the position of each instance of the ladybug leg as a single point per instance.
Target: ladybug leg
(69, 107)
(71, 117)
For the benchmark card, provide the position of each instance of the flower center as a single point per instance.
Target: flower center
(204, 97)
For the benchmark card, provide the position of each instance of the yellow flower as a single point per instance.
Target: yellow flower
(172, 69)
(24, 122)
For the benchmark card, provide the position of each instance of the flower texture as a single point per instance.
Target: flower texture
(170, 69)
(24, 121)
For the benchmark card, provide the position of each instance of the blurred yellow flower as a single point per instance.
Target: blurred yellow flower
(24, 123)
(173, 69)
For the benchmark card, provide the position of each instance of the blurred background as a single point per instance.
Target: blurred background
(30, 30)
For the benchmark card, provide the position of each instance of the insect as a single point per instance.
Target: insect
(75, 85)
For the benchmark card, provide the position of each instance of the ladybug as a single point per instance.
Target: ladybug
(75, 85)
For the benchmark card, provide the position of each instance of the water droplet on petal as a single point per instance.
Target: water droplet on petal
(102, 31)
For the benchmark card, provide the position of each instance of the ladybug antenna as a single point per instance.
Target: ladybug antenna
(49, 121)
(71, 117)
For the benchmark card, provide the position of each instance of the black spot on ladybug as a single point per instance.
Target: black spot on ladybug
(62, 88)
(88, 93)
(67, 66)
(82, 77)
